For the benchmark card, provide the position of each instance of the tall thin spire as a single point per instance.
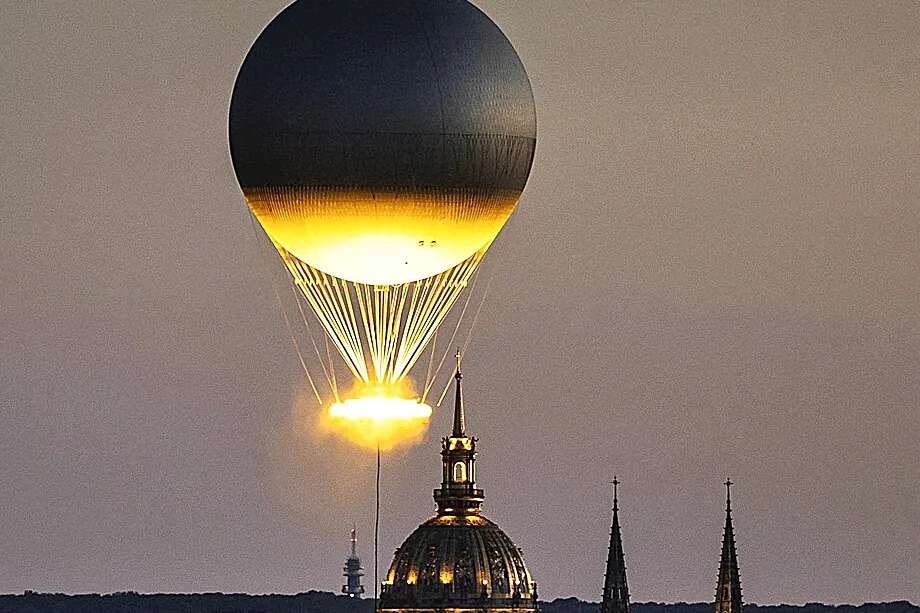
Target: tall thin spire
(458, 494)
(459, 417)
(616, 590)
(728, 588)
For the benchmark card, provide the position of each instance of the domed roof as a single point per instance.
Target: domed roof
(458, 561)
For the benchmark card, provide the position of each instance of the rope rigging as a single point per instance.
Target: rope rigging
(380, 331)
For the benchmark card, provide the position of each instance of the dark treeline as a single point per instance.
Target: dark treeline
(325, 602)
(573, 605)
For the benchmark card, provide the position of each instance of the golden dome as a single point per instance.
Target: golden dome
(458, 562)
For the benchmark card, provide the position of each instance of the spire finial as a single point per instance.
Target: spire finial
(728, 493)
(615, 483)
(459, 356)
(459, 417)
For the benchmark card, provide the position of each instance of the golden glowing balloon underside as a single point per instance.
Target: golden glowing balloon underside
(379, 417)
(380, 237)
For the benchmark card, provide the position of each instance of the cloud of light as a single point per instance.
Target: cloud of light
(387, 416)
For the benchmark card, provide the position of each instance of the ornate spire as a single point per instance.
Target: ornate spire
(728, 589)
(459, 417)
(458, 494)
(616, 591)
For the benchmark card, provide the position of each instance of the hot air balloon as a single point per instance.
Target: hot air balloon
(382, 145)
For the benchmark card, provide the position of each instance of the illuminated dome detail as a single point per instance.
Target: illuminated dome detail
(458, 559)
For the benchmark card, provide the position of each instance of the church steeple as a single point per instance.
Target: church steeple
(728, 589)
(458, 494)
(616, 591)
(459, 417)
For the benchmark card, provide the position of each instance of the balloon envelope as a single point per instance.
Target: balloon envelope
(382, 141)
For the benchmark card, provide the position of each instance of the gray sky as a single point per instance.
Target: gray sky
(713, 270)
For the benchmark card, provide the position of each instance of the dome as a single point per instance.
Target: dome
(382, 141)
(458, 561)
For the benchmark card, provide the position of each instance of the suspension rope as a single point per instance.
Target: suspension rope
(376, 528)
(433, 322)
(326, 320)
(334, 307)
(287, 321)
(434, 345)
(330, 381)
(312, 284)
(469, 334)
(380, 331)
(290, 328)
(457, 282)
(430, 378)
(335, 385)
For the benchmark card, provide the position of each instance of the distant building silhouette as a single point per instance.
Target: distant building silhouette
(728, 589)
(616, 591)
(353, 570)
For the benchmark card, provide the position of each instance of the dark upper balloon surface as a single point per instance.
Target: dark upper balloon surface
(382, 93)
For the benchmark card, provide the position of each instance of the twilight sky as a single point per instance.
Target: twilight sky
(714, 270)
